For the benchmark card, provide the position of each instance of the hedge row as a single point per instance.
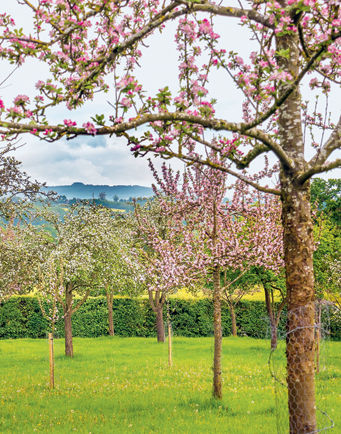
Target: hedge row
(20, 317)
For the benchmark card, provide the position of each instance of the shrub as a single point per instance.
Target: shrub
(20, 317)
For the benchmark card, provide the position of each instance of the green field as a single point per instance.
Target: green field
(122, 385)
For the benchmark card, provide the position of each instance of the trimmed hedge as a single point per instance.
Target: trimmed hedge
(20, 317)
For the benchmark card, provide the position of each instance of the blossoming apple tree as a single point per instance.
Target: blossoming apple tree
(118, 272)
(220, 236)
(165, 252)
(296, 44)
(74, 264)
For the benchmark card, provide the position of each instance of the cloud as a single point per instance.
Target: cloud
(109, 161)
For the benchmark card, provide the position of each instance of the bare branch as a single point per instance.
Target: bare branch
(318, 169)
(333, 143)
(252, 155)
(228, 11)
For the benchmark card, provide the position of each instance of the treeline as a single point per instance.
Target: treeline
(116, 203)
(21, 317)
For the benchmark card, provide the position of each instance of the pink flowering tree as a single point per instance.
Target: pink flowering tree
(165, 253)
(20, 256)
(223, 236)
(296, 44)
(268, 261)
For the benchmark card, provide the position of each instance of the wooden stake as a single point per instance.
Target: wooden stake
(318, 338)
(170, 361)
(51, 361)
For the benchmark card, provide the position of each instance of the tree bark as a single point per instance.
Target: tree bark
(298, 247)
(217, 377)
(273, 343)
(68, 322)
(110, 298)
(233, 319)
(160, 327)
(272, 319)
(156, 304)
(298, 252)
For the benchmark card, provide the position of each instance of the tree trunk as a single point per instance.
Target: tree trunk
(68, 323)
(233, 319)
(217, 380)
(160, 327)
(273, 336)
(271, 315)
(298, 252)
(110, 298)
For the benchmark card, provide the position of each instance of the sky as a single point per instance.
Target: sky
(103, 160)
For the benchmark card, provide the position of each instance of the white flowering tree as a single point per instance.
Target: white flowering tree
(119, 271)
(74, 265)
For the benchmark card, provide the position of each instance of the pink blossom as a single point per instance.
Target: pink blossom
(126, 102)
(205, 26)
(39, 84)
(90, 128)
(21, 100)
(69, 123)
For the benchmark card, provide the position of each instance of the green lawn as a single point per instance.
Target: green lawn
(120, 385)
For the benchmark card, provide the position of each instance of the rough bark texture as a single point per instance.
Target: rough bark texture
(217, 377)
(68, 323)
(110, 298)
(160, 327)
(298, 251)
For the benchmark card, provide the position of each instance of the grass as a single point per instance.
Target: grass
(122, 385)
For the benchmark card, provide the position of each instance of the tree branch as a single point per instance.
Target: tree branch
(118, 129)
(252, 155)
(323, 47)
(318, 169)
(86, 295)
(228, 11)
(333, 143)
(191, 160)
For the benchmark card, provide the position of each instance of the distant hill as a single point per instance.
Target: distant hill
(89, 191)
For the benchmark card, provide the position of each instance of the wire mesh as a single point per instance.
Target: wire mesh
(288, 382)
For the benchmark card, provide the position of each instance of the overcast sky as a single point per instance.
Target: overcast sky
(102, 160)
